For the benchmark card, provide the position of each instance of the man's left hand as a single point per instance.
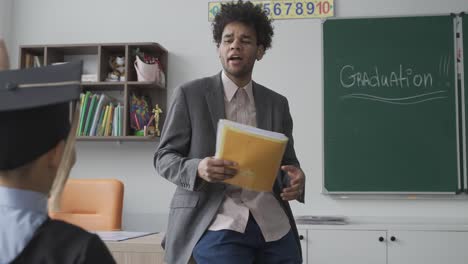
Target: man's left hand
(296, 188)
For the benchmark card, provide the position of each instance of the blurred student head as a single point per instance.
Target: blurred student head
(37, 138)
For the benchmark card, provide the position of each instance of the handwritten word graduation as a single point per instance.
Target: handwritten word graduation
(404, 77)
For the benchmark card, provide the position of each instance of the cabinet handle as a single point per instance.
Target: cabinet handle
(381, 239)
(301, 237)
(392, 238)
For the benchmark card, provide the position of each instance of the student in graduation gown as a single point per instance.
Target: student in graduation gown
(36, 155)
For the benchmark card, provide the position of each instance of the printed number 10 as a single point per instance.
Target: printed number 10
(324, 7)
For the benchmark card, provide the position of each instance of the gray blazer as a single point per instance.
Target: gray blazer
(189, 135)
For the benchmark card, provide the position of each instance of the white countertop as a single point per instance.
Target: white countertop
(396, 223)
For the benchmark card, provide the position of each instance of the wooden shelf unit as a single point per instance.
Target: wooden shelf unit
(95, 59)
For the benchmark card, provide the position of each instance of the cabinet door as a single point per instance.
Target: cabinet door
(303, 239)
(428, 247)
(346, 246)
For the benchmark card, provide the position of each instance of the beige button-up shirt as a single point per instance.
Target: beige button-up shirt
(233, 213)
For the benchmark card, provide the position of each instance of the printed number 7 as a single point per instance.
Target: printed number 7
(289, 7)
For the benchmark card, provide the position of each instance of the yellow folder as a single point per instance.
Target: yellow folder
(258, 153)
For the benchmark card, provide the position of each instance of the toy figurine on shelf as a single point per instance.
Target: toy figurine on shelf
(156, 112)
(151, 129)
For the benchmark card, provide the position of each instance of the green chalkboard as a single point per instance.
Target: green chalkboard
(390, 105)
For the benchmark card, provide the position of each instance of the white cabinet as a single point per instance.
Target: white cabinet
(303, 240)
(415, 243)
(346, 246)
(428, 247)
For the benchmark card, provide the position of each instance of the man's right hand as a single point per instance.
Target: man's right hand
(212, 169)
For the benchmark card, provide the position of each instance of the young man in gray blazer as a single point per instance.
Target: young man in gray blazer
(209, 220)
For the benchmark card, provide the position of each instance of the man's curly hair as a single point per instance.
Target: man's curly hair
(247, 13)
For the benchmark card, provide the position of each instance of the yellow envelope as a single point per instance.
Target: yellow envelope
(258, 153)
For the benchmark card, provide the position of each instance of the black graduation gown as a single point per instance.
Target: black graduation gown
(57, 242)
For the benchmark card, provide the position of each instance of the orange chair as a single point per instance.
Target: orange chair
(93, 204)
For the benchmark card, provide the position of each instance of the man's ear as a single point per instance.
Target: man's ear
(55, 155)
(260, 52)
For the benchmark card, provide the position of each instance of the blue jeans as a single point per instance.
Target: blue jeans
(231, 247)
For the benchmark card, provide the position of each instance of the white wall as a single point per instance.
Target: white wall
(293, 67)
(6, 8)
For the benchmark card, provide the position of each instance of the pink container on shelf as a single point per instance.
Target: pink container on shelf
(149, 72)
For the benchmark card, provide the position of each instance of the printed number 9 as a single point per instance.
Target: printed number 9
(277, 9)
(299, 9)
(310, 8)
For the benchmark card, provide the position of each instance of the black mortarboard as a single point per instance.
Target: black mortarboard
(34, 111)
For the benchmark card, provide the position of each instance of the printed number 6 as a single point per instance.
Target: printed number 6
(277, 9)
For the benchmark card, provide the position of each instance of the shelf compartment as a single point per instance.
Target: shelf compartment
(106, 53)
(153, 49)
(28, 57)
(155, 96)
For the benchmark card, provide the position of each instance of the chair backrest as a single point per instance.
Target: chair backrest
(93, 204)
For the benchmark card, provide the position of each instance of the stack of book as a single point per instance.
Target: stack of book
(99, 116)
(33, 61)
(89, 77)
(321, 220)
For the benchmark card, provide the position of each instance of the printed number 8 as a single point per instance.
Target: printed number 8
(299, 9)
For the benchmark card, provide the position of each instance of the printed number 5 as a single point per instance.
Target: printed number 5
(266, 7)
